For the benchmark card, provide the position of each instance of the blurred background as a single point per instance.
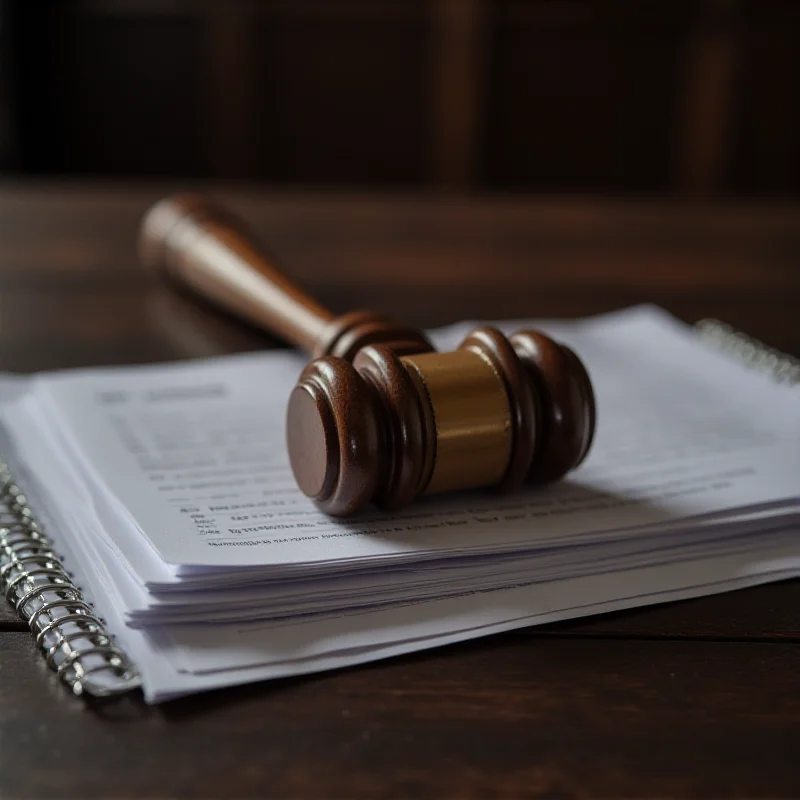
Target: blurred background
(674, 98)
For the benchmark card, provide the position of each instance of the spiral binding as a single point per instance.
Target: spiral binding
(73, 640)
(781, 367)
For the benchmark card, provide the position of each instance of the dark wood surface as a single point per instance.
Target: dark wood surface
(690, 699)
(693, 96)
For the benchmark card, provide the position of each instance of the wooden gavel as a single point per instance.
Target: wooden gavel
(378, 415)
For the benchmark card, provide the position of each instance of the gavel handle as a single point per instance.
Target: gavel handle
(201, 247)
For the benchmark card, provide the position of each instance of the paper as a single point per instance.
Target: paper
(167, 488)
(196, 453)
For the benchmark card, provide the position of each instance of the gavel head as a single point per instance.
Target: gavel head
(388, 428)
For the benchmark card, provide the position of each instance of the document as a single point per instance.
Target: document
(196, 453)
(169, 493)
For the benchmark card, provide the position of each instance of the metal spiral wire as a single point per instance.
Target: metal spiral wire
(71, 637)
(752, 353)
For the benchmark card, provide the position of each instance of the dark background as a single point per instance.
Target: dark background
(646, 97)
(666, 100)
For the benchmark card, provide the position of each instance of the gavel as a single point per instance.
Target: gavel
(378, 416)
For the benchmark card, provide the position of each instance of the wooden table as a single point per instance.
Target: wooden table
(699, 698)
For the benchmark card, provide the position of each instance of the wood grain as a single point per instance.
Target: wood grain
(587, 95)
(73, 293)
(509, 718)
(691, 699)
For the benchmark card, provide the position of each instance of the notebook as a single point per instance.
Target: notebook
(153, 537)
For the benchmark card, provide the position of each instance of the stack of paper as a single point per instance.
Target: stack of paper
(168, 490)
